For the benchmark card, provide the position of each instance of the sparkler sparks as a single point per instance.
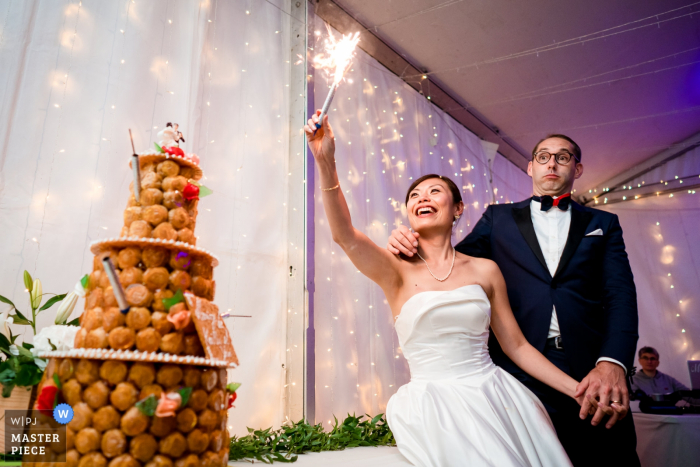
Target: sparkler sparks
(335, 61)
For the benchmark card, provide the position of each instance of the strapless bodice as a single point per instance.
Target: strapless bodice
(444, 334)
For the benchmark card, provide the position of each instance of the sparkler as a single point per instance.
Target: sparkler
(136, 168)
(116, 285)
(335, 60)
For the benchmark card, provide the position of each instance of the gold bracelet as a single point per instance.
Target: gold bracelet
(331, 189)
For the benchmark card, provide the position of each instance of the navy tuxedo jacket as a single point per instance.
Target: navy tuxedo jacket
(593, 288)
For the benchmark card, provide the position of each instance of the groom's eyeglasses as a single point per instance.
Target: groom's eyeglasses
(561, 158)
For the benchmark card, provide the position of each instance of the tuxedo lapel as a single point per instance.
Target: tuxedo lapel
(577, 230)
(523, 219)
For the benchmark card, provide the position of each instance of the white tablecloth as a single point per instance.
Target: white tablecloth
(668, 440)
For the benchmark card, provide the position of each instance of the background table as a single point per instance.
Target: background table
(668, 440)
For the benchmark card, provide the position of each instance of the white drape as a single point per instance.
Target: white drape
(661, 234)
(386, 135)
(75, 76)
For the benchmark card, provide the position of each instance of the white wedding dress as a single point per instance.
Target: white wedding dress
(459, 409)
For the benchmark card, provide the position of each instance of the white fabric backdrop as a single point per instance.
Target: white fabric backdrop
(76, 76)
(385, 136)
(664, 255)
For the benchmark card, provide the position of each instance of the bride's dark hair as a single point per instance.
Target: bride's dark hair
(456, 195)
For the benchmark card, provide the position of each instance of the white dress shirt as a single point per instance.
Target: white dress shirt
(552, 230)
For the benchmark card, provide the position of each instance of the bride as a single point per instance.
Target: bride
(459, 408)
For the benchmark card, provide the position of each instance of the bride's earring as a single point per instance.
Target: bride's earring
(454, 222)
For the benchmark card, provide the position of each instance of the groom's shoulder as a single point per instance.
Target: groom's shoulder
(507, 208)
(597, 213)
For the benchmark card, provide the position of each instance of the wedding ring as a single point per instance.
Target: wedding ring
(616, 402)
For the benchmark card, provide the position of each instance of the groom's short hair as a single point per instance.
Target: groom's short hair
(577, 149)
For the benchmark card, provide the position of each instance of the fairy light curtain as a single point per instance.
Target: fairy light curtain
(386, 135)
(75, 76)
(661, 236)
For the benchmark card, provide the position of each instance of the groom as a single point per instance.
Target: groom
(571, 289)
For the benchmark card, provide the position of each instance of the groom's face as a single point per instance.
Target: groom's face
(554, 179)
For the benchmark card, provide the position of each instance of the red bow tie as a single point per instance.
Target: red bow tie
(547, 202)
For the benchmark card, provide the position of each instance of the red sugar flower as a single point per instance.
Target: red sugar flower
(46, 399)
(190, 192)
(174, 151)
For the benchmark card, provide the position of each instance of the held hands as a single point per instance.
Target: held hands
(321, 141)
(404, 241)
(604, 392)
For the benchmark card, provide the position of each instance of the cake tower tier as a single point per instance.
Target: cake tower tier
(147, 380)
(165, 210)
(112, 425)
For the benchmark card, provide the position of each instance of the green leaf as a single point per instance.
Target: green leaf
(7, 389)
(17, 319)
(174, 300)
(28, 281)
(7, 375)
(24, 352)
(4, 342)
(28, 375)
(50, 302)
(158, 148)
(57, 381)
(53, 347)
(185, 395)
(75, 322)
(148, 405)
(8, 301)
(232, 387)
(204, 191)
(20, 314)
(85, 281)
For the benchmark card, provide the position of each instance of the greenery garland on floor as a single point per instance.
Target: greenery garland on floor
(285, 444)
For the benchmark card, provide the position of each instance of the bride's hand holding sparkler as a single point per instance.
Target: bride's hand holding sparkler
(321, 141)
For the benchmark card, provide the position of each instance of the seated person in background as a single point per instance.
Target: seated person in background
(650, 380)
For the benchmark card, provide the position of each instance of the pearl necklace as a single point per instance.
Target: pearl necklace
(454, 253)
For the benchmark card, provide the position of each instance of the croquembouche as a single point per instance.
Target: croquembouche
(147, 379)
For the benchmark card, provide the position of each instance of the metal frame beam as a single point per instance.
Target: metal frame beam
(618, 181)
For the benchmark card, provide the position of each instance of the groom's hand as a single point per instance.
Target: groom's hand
(605, 383)
(404, 241)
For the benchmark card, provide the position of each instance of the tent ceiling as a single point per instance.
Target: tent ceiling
(624, 87)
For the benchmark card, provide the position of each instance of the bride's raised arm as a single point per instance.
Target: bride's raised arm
(513, 341)
(376, 263)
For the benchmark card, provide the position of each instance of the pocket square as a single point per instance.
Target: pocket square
(596, 232)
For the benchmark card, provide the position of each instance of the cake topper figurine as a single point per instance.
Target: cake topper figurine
(178, 134)
(170, 136)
